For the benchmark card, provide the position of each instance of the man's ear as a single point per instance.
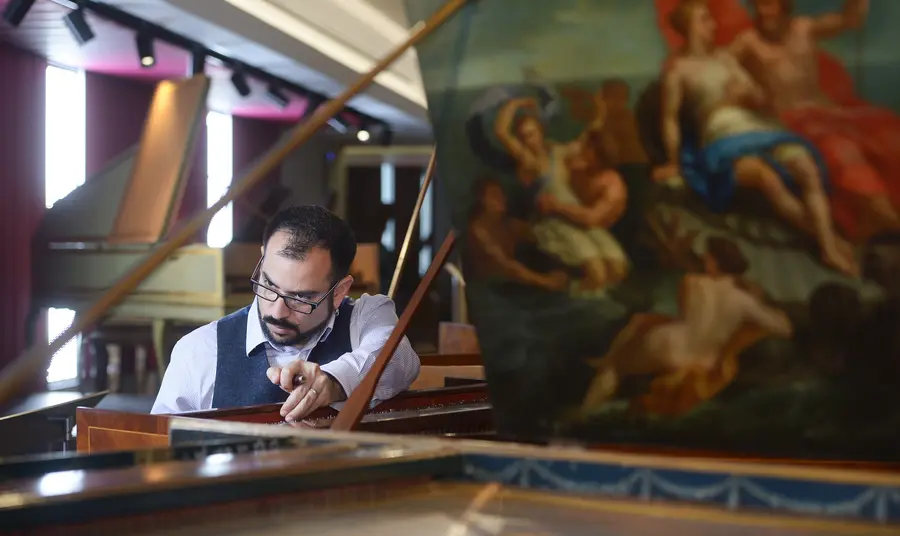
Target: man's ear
(342, 290)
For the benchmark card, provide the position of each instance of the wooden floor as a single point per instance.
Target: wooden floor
(492, 510)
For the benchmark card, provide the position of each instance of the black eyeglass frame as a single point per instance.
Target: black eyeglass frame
(287, 299)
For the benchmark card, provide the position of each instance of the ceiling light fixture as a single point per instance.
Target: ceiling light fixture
(239, 81)
(275, 95)
(145, 49)
(78, 25)
(15, 11)
(279, 89)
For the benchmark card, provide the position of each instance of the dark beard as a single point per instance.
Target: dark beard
(299, 338)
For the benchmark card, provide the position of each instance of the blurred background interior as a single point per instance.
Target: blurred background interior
(78, 79)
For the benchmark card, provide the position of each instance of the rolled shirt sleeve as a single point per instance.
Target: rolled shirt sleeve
(370, 330)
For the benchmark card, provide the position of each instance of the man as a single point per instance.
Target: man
(858, 141)
(542, 168)
(692, 356)
(493, 237)
(728, 142)
(301, 342)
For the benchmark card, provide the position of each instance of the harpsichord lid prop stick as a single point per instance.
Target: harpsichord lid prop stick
(356, 405)
(32, 362)
(401, 259)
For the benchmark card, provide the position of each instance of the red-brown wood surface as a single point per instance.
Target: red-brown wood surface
(404, 401)
(106, 430)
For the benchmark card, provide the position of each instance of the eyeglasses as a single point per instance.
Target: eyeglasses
(294, 303)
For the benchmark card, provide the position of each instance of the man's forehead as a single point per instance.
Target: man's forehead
(293, 272)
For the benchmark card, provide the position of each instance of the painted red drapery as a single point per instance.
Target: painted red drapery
(859, 145)
(857, 140)
(22, 179)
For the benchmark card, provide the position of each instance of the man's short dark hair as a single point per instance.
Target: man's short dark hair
(312, 226)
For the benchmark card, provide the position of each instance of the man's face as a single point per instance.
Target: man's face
(310, 279)
(770, 16)
(583, 159)
(495, 199)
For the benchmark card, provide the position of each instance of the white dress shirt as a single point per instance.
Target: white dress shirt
(190, 378)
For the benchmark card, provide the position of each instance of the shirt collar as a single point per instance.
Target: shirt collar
(255, 335)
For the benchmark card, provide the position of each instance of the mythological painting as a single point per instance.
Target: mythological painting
(679, 219)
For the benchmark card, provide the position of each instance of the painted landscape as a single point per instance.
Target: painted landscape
(679, 219)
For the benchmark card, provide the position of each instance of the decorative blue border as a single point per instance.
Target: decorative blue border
(870, 503)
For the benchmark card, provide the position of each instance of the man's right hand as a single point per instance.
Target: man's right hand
(314, 390)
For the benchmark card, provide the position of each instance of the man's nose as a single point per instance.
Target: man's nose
(280, 308)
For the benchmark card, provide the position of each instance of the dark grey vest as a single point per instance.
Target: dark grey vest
(241, 379)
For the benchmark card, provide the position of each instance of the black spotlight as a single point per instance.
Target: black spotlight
(275, 95)
(78, 26)
(240, 82)
(198, 63)
(16, 10)
(145, 49)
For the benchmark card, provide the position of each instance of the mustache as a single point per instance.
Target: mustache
(280, 322)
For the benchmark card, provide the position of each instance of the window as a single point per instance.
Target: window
(388, 187)
(388, 190)
(387, 236)
(424, 259)
(425, 220)
(64, 364)
(219, 171)
(64, 160)
(425, 223)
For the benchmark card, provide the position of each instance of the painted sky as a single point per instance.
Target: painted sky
(877, 44)
(593, 39)
(563, 40)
